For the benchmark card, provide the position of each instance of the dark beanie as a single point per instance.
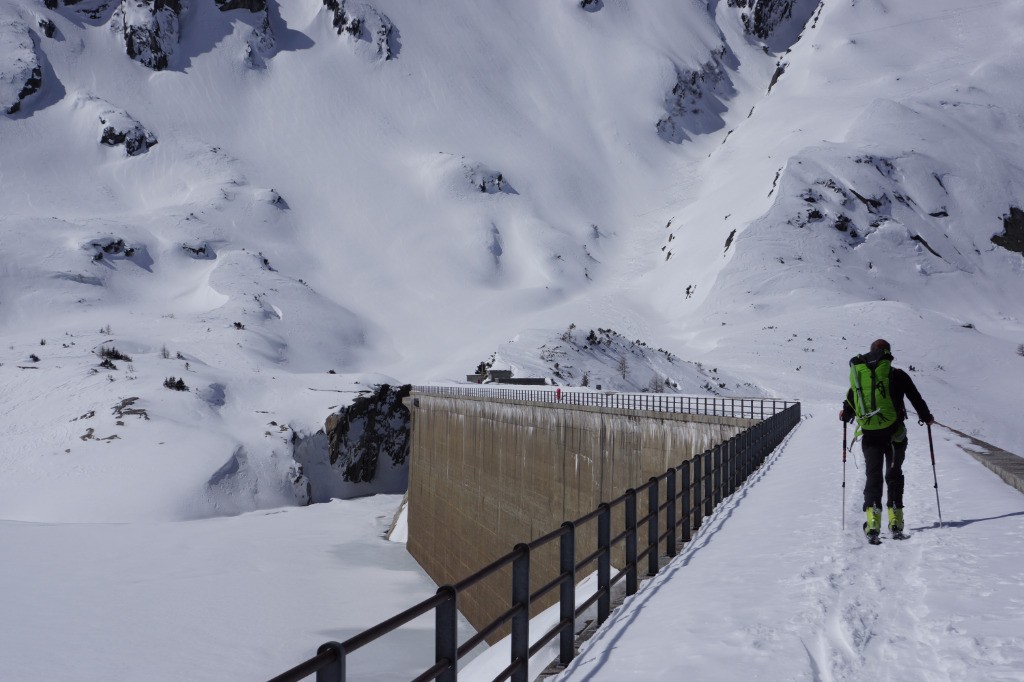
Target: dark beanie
(880, 344)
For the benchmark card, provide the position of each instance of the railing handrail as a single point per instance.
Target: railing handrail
(728, 406)
(716, 473)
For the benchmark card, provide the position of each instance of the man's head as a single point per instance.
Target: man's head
(879, 345)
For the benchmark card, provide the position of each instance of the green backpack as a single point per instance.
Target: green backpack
(872, 397)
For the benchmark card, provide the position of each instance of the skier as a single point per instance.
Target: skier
(875, 400)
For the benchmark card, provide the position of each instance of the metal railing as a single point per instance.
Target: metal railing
(677, 502)
(746, 408)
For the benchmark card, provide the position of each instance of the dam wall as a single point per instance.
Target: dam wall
(486, 474)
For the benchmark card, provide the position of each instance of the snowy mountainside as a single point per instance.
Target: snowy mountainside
(390, 191)
(603, 359)
(866, 195)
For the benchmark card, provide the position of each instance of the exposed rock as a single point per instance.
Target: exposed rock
(777, 22)
(48, 28)
(253, 6)
(150, 28)
(461, 174)
(1012, 238)
(201, 252)
(20, 72)
(487, 180)
(261, 41)
(118, 128)
(371, 429)
(694, 105)
(364, 22)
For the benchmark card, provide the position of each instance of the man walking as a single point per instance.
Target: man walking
(875, 400)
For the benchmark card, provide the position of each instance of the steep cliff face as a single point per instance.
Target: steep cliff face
(363, 448)
(372, 430)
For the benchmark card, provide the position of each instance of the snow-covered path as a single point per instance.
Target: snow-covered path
(799, 598)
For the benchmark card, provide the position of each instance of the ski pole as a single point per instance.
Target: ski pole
(935, 476)
(844, 475)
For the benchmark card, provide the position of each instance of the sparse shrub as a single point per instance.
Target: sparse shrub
(175, 384)
(1020, 350)
(179, 356)
(106, 330)
(108, 364)
(33, 357)
(592, 338)
(113, 353)
(239, 325)
(568, 336)
(622, 367)
(164, 353)
(42, 342)
(585, 381)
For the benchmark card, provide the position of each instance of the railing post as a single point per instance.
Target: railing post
(446, 635)
(335, 672)
(717, 456)
(604, 565)
(727, 457)
(698, 487)
(686, 486)
(709, 483)
(521, 621)
(652, 527)
(670, 512)
(631, 583)
(567, 595)
(737, 454)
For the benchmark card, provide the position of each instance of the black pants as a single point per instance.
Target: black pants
(882, 456)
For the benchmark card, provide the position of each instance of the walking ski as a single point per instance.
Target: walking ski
(874, 539)
(899, 535)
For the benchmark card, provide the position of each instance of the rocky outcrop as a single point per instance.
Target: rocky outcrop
(776, 22)
(695, 104)
(47, 26)
(20, 72)
(117, 128)
(1012, 238)
(363, 22)
(253, 6)
(150, 28)
(486, 180)
(373, 429)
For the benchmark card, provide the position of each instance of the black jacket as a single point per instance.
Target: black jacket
(901, 385)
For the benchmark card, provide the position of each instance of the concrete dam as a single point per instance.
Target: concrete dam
(490, 468)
